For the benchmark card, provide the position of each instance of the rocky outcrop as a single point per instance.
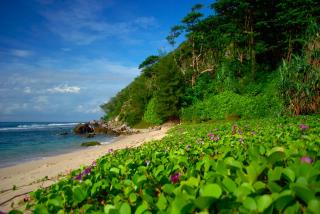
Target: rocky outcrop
(83, 128)
(98, 127)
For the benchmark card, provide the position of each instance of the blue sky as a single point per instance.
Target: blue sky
(60, 60)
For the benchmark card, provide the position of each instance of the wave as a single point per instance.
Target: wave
(37, 126)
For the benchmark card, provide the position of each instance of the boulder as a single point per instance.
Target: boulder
(83, 128)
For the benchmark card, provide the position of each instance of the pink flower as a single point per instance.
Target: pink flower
(306, 159)
(94, 163)
(110, 150)
(303, 127)
(175, 178)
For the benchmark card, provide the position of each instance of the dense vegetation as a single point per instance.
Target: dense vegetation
(249, 58)
(254, 60)
(248, 166)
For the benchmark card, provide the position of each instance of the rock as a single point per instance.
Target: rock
(64, 133)
(83, 128)
(90, 143)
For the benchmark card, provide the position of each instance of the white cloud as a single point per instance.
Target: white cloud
(65, 89)
(12, 108)
(88, 109)
(20, 53)
(27, 90)
(41, 99)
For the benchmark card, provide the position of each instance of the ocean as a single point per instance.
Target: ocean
(25, 141)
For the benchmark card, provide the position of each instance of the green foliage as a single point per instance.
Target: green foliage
(253, 166)
(234, 49)
(150, 116)
(227, 103)
(149, 61)
(300, 86)
(170, 88)
(130, 103)
(204, 87)
(90, 143)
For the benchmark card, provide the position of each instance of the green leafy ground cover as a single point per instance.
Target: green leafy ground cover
(253, 166)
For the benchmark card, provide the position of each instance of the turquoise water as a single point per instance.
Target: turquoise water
(24, 141)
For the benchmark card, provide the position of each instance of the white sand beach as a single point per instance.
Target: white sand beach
(17, 181)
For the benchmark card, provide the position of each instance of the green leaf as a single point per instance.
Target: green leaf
(263, 202)
(132, 197)
(259, 185)
(289, 175)
(276, 154)
(41, 209)
(229, 184)
(162, 202)
(109, 209)
(115, 170)
(141, 209)
(303, 193)
(275, 174)
(79, 194)
(230, 161)
(250, 204)
(125, 208)
(283, 201)
(192, 181)
(295, 208)
(168, 188)
(203, 202)
(314, 206)
(211, 190)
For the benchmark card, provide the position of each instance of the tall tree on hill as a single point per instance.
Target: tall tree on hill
(169, 91)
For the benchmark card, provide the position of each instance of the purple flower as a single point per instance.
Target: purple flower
(78, 177)
(210, 134)
(2, 212)
(175, 178)
(87, 171)
(239, 131)
(306, 159)
(303, 127)
(253, 133)
(147, 162)
(110, 150)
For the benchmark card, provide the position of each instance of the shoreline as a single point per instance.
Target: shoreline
(56, 153)
(18, 180)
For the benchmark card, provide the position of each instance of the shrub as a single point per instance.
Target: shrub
(229, 103)
(150, 116)
(300, 86)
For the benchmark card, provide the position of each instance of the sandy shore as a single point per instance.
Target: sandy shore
(17, 181)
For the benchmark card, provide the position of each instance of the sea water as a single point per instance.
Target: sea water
(25, 141)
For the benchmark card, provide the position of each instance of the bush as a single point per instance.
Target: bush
(150, 116)
(300, 86)
(229, 103)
